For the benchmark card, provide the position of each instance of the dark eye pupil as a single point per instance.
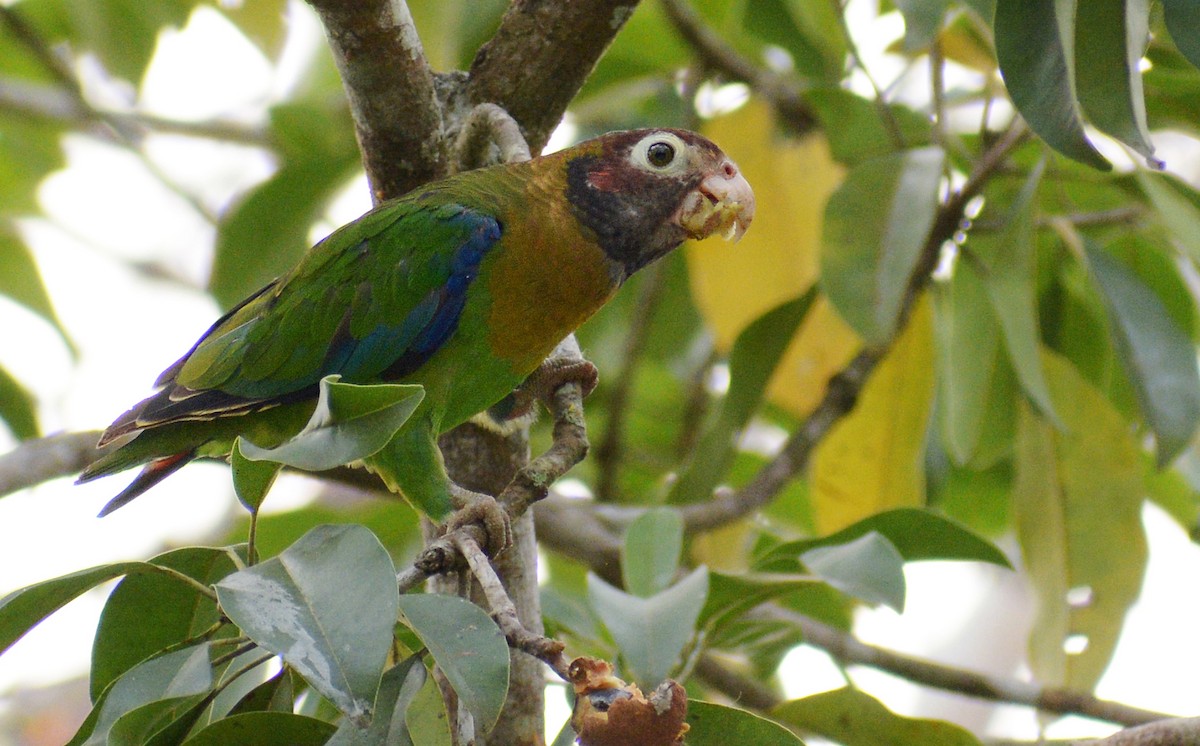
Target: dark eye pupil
(660, 154)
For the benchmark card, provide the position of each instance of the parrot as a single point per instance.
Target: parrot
(463, 286)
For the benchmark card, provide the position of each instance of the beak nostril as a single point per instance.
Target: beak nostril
(729, 169)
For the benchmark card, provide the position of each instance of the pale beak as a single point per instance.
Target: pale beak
(723, 204)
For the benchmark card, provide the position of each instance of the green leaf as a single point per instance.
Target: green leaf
(853, 718)
(148, 612)
(855, 129)
(16, 407)
(399, 686)
(876, 224)
(1179, 214)
(1111, 37)
(252, 480)
(650, 552)
(1035, 46)
(350, 423)
(267, 232)
(868, 568)
(922, 21)
(24, 608)
(264, 729)
(276, 694)
(1183, 23)
(731, 594)
(176, 675)
(651, 632)
(327, 605)
(158, 723)
(916, 534)
(718, 725)
(263, 22)
(967, 339)
(1007, 266)
(1077, 503)
(468, 647)
(752, 361)
(426, 717)
(1156, 354)
(808, 31)
(21, 281)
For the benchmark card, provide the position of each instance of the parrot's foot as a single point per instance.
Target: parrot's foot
(478, 509)
(541, 385)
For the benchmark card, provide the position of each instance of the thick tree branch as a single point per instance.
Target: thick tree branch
(540, 57)
(390, 88)
(35, 461)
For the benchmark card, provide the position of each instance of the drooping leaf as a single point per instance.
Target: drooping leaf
(716, 725)
(808, 31)
(327, 605)
(264, 729)
(922, 20)
(180, 674)
(1078, 501)
(148, 612)
(1111, 37)
(651, 550)
(1007, 266)
(159, 723)
(876, 225)
(468, 647)
(397, 689)
(16, 407)
(651, 632)
(21, 282)
(1035, 45)
(967, 336)
(872, 460)
(263, 22)
(854, 718)
(755, 357)
(1179, 215)
(252, 480)
(916, 535)
(267, 232)
(350, 422)
(868, 568)
(25, 607)
(1183, 23)
(1158, 357)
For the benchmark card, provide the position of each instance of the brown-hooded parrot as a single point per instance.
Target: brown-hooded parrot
(463, 286)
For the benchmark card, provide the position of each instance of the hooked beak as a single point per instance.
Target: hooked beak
(722, 204)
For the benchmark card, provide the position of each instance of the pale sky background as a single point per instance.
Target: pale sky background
(107, 208)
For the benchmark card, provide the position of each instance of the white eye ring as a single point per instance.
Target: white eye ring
(640, 155)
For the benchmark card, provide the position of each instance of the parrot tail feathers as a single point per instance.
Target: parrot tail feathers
(153, 473)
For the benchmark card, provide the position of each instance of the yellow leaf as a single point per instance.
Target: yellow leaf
(778, 258)
(873, 459)
(1078, 500)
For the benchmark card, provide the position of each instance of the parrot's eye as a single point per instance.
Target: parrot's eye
(660, 154)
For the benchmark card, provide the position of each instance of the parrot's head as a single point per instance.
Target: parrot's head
(643, 192)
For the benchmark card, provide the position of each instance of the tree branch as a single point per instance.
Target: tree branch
(718, 55)
(35, 461)
(540, 57)
(389, 85)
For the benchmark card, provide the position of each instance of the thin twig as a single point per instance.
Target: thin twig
(850, 650)
(718, 55)
(42, 459)
(609, 451)
(504, 612)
